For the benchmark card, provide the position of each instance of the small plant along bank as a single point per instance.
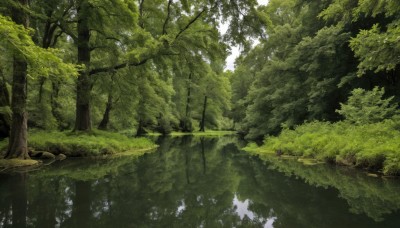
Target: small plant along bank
(374, 147)
(93, 144)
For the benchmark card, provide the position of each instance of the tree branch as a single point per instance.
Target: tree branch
(141, 21)
(164, 31)
(68, 32)
(117, 67)
(105, 35)
(98, 47)
(190, 23)
(56, 38)
(123, 65)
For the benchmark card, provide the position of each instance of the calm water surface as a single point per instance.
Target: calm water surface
(195, 182)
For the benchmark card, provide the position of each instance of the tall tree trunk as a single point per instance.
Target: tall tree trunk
(203, 117)
(186, 123)
(188, 96)
(42, 80)
(141, 131)
(18, 145)
(106, 117)
(83, 120)
(54, 103)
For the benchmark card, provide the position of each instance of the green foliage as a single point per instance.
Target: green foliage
(296, 71)
(365, 107)
(311, 60)
(3, 145)
(42, 62)
(373, 146)
(83, 144)
(17, 163)
(6, 112)
(376, 50)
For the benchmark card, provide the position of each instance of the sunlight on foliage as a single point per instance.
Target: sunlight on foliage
(42, 62)
(83, 145)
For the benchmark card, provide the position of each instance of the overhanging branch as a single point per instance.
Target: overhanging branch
(117, 67)
(190, 23)
(167, 18)
(123, 65)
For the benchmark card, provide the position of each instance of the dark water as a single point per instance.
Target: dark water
(193, 182)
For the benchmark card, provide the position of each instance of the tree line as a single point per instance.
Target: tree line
(120, 64)
(312, 56)
(159, 65)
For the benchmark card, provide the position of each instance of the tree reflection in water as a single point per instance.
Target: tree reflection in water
(195, 182)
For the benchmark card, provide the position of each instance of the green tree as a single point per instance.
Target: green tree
(365, 107)
(27, 58)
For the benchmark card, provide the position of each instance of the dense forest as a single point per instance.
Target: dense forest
(117, 65)
(141, 67)
(132, 113)
(314, 54)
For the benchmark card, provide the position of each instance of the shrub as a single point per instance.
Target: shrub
(372, 146)
(364, 107)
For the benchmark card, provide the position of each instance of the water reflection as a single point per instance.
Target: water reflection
(194, 182)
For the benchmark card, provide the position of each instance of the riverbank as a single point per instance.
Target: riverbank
(70, 144)
(197, 133)
(375, 147)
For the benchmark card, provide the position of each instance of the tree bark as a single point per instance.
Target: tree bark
(106, 117)
(203, 117)
(18, 145)
(188, 96)
(186, 123)
(55, 106)
(140, 131)
(83, 120)
(42, 80)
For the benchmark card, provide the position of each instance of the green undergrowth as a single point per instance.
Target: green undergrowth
(85, 144)
(3, 144)
(375, 147)
(15, 163)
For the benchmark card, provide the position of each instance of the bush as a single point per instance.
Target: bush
(372, 146)
(364, 107)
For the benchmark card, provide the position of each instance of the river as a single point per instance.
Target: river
(196, 182)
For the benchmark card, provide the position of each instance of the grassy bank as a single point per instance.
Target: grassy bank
(198, 133)
(374, 147)
(96, 143)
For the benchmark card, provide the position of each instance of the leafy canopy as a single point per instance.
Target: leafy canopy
(44, 62)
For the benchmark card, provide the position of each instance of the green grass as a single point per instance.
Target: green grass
(3, 144)
(15, 163)
(375, 147)
(198, 133)
(95, 143)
